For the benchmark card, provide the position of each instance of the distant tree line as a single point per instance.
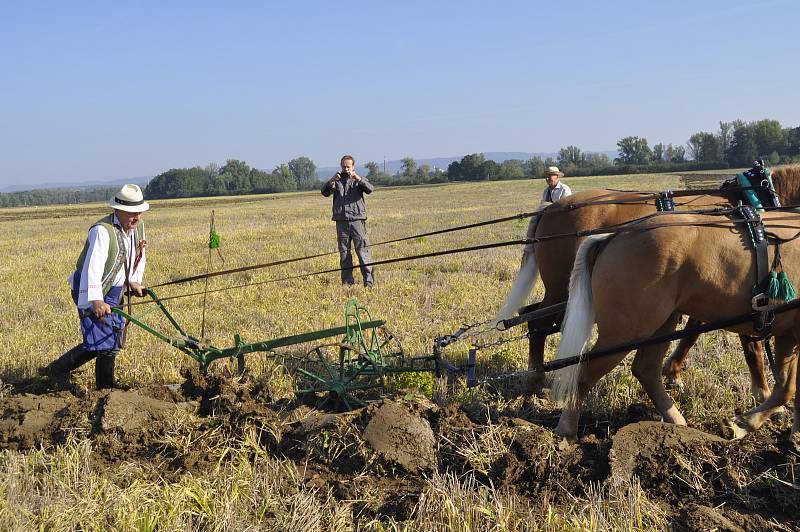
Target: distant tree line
(55, 196)
(235, 177)
(736, 144)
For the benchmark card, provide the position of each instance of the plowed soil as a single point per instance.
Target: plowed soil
(702, 481)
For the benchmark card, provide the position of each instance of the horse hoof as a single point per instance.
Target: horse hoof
(565, 441)
(781, 415)
(736, 428)
(673, 383)
(537, 382)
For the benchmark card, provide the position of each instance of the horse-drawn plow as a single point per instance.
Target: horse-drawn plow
(357, 356)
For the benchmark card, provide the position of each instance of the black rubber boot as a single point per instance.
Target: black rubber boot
(60, 368)
(104, 369)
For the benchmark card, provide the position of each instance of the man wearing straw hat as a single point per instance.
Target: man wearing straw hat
(556, 189)
(112, 260)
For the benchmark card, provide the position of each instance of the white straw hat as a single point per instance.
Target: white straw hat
(553, 170)
(129, 199)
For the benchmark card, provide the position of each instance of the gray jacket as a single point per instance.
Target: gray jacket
(348, 198)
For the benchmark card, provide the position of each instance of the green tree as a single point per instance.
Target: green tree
(304, 172)
(724, 138)
(281, 180)
(424, 173)
(511, 169)
(658, 152)
(769, 136)
(703, 147)
(535, 167)
(633, 150)
(178, 183)
(743, 148)
(596, 160)
(236, 168)
(409, 168)
(373, 169)
(571, 155)
(489, 170)
(793, 142)
(469, 168)
(675, 154)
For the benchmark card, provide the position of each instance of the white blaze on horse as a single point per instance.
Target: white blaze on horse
(552, 260)
(635, 285)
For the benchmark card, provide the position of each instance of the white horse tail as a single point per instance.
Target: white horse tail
(578, 321)
(527, 275)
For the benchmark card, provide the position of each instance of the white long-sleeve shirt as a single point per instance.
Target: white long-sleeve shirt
(91, 282)
(561, 190)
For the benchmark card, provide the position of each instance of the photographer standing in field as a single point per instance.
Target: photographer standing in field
(350, 214)
(113, 259)
(556, 189)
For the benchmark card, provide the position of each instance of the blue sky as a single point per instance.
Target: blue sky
(110, 90)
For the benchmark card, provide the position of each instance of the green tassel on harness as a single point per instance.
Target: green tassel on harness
(773, 286)
(786, 291)
(779, 288)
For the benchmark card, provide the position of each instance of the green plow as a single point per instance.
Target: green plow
(358, 356)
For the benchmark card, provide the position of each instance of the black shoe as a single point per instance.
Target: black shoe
(55, 374)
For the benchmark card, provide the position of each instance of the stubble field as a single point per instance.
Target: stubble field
(220, 453)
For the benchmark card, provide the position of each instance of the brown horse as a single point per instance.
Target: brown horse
(636, 285)
(553, 260)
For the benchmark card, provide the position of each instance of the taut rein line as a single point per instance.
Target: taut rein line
(520, 216)
(631, 226)
(644, 196)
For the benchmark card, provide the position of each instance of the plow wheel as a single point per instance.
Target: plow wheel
(331, 374)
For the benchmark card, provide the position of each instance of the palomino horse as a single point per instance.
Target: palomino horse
(635, 285)
(553, 260)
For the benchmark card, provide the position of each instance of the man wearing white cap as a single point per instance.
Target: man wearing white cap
(112, 260)
(556, 189)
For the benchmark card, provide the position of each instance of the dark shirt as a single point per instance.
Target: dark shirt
(348, 198)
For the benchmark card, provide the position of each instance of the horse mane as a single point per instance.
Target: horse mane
(787, 183)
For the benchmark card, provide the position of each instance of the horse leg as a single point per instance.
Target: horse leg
(785, 382)
(539, 330)
(796, 423)
(536, 342)
(754, 356)
(590, 372)
(645, 369)
(673, 367)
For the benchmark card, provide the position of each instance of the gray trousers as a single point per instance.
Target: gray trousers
(356, 232)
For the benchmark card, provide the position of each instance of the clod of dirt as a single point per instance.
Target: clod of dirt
(239, 397)
(641, 445)
(402, 436)
(28, 420)
(699, 517)
(129, 412)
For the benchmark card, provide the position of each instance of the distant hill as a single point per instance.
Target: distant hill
(393, 167)
(324, 172)
(85, 185)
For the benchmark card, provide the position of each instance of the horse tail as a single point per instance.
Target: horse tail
(527, 275)
(578, 320)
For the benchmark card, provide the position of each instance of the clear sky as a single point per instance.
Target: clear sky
(110, 90)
